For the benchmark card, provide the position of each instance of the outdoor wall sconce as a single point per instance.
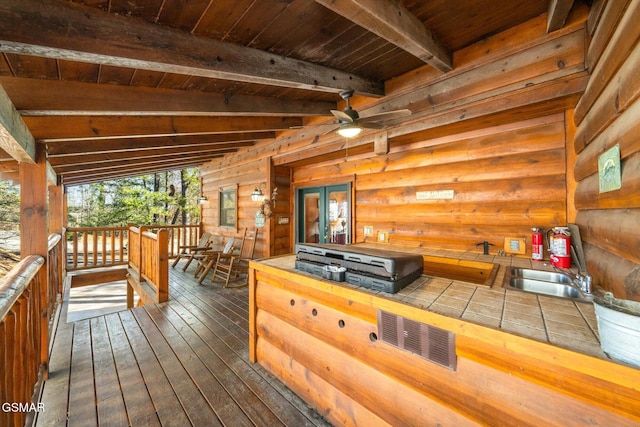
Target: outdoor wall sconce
(202, 199)
(266, 205)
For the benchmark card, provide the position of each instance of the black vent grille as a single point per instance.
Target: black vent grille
(429, 342)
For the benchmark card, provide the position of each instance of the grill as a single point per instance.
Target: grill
(386, 271)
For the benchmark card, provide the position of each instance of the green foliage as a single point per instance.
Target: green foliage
(9, 205)
(147, 199)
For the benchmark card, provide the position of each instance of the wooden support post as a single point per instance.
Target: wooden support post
(269, 229)
(34, 233)
(570, 134)
(57, 209)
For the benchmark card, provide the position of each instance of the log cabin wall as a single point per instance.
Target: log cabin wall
(244, 179)
(504, 180)
(493, 131)
(274, 237)
(607, 115)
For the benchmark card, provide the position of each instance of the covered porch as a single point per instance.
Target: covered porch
(184, 362)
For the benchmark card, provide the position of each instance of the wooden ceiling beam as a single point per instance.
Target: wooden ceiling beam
(558, 13)
(135, 168)
(103, 146)
(136, 163)
(36, 97)
(63, 30)
(15, 138)
(84, 159)
(106, 176)
(9, 166)
(75, 128)
(394, 23)
(107, 145)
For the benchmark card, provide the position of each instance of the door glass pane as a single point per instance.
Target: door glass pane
(338, 217)
(311, 218)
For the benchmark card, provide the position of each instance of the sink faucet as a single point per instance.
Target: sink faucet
(583, 281)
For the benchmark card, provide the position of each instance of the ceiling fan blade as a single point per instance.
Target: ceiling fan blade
(370, 125)
(342, 116)
(389, 115)
(318, 128)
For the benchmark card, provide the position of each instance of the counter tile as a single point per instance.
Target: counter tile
(560, 322)
(484, 310)
(576, 331)
(446, 310)
(480, 319)
(488, 297)
(524, 330)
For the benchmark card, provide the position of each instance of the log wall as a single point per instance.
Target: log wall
(505, 179)
(493, 130)
(321, 340)
(608, 114)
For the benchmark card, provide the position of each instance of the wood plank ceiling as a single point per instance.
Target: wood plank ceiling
(116, 88)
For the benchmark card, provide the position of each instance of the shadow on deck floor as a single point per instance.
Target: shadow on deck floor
(181, 363)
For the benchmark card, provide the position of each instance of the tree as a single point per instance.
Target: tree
(9, 204)
(147, 199)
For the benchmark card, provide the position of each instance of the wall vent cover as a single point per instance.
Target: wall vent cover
(429, 342)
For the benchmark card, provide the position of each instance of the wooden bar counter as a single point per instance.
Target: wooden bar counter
(322, 339)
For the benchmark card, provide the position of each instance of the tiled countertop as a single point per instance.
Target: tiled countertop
(560, 322)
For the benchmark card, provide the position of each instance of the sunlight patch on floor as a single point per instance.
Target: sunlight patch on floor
(96, 300)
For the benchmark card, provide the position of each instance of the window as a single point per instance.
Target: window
(228, 208)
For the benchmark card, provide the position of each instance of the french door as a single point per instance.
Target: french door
(324, 214)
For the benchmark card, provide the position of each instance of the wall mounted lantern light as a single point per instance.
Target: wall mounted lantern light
(202, 199)
(266, 205)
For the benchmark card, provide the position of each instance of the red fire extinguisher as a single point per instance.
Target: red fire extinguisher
(536, 245)
(560, 247)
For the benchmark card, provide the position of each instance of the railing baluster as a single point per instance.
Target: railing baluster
(21, 334)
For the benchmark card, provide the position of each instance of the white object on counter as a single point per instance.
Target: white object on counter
(619, 328)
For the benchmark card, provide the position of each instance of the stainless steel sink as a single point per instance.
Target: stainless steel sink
(544, 282)
(546, 276)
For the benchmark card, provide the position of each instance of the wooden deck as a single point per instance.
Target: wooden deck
(180, 363)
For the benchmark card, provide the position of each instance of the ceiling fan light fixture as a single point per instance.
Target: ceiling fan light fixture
(349, 131)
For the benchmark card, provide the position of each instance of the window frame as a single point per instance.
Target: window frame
(225, 212)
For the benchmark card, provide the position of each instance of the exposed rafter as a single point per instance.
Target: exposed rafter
(84, 178)
(63, 30)
(77, 128)
(15, 138)
(394, 23)
(177, 143)
(58, 97)
(558, 13)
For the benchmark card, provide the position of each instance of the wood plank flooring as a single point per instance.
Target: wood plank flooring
(181, 363)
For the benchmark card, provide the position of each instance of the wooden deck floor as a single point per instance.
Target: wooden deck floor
(181, 363)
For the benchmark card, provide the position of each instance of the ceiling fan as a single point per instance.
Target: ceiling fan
(350, 124)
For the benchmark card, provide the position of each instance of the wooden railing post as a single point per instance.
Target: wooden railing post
(162, 274)
(34, 224)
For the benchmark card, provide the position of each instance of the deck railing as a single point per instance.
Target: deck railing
(95, 247)
(148, 265)
(21, 338)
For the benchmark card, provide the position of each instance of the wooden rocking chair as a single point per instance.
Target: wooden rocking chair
(192, 251)
(231, 266)
(211, 256)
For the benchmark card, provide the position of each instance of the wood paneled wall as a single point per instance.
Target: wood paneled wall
(493, 131)
(505, 179)
(245, 178)
(606, 115)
